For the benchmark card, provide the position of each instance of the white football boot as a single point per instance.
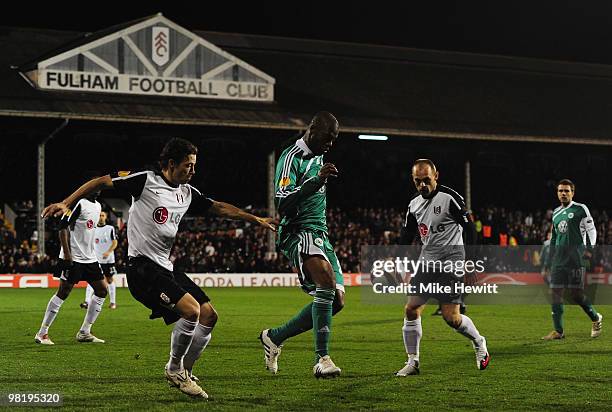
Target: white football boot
(43, 339)
(482, 354)
(325, 368)
(185, 384)
(596, 328)
(411, 368)
(87, 337)
(271, 351)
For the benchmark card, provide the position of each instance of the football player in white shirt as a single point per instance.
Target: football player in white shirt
(78, 262)
(105, 243)
(439, 215)
(159, 201)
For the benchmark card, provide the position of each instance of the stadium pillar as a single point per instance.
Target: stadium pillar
(271, 208)
(468, 185)
(40, 196)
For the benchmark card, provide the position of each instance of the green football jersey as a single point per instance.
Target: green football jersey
(300, 194)
(573, 231)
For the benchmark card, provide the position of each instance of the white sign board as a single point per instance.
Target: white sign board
(158, 86)
(155, 57)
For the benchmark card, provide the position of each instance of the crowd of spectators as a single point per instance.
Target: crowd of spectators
(511, 229)
(19, 253)
(210, 245)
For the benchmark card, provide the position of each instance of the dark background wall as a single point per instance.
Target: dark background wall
(232, 163)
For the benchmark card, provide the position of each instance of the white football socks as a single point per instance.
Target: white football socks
(93, 310)
(88, 293)
(181, 338)
(201, 337)
(413, 332)
(112, 291)
(53, 307)
(468, 329)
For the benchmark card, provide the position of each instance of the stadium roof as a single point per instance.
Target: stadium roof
(371, 89)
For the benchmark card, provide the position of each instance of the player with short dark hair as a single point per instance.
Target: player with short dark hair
(572, 241)
(160, 199)
(77, 262)
(301, 178)
(440, 216)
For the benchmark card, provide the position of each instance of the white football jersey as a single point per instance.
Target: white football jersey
(438, 219)
(81, 222)
(156, 211)
(103, 240)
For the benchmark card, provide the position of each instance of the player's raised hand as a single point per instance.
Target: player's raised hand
(268, 223)
(54, 210)
(328, 169)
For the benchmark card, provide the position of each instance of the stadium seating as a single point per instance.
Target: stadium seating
(209, 245)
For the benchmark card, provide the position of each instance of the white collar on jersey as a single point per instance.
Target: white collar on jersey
(302, 145)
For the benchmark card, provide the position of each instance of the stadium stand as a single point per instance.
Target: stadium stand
(209, 245)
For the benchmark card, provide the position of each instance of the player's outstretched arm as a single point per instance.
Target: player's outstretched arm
(226, 210)
(94, 185)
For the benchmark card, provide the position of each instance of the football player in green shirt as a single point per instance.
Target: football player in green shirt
(572, 241)
(301, 178)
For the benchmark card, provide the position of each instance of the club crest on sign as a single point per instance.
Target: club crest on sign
(160, 45)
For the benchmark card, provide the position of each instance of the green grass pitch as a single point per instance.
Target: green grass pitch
(126, 373)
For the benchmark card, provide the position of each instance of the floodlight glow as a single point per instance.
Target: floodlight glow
(373, 137)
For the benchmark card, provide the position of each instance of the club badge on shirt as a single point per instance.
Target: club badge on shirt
(285, 181)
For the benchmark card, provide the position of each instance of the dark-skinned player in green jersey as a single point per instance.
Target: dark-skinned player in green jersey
(301, 177)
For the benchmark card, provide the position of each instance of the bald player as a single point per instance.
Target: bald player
(439, 214)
